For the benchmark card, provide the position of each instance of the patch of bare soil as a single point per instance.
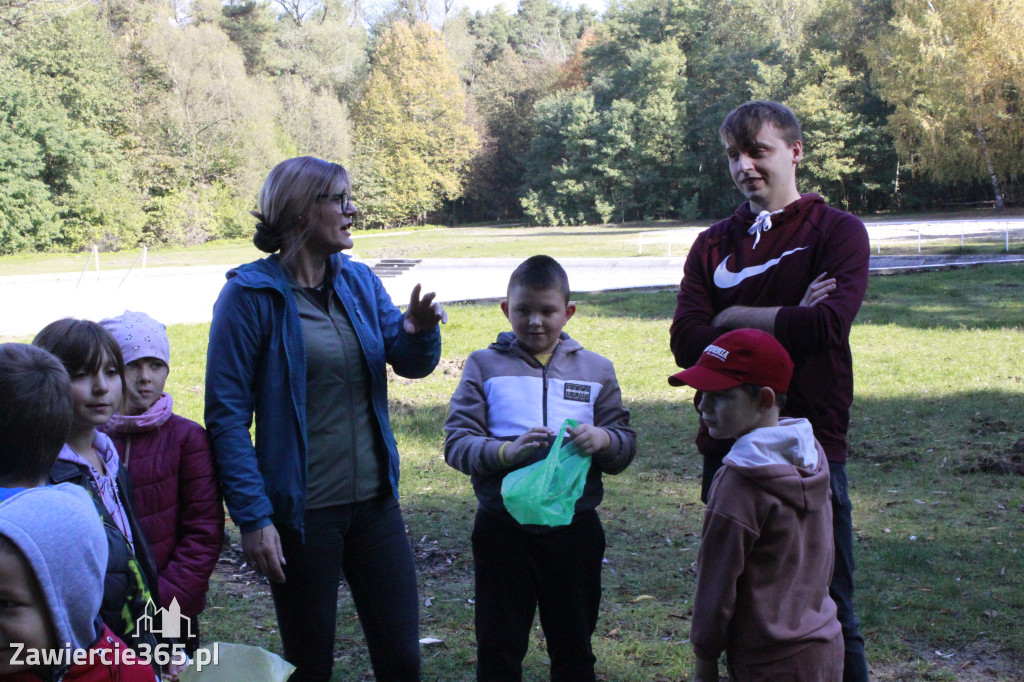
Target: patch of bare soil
(433, 561)
(1010, 462)
(240, 580)
(989, 458)
(977, 662)
(451, 367)
(232, 570)
(987, 426)
(899, 452)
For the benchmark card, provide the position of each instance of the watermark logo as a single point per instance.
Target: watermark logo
(162, 654)
(168, 623)
(164, 622)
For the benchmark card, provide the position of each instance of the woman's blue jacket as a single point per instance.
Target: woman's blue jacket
(256, 365)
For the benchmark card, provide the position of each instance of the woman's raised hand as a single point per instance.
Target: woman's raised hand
(423, 313)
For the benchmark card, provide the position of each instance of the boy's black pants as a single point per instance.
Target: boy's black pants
(517, 571)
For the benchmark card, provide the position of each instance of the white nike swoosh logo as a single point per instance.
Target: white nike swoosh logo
(725, 279)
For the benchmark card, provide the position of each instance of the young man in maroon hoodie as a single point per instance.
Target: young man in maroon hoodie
(790, 265)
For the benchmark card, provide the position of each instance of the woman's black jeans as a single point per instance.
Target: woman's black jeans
(367, 542)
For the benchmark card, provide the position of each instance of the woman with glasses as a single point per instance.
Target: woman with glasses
(301, 340)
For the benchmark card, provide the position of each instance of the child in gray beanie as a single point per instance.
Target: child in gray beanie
(54, 589)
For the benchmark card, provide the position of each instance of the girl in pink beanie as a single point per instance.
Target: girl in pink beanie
(176, 495)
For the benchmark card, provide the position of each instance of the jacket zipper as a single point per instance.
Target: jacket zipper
(544, 395)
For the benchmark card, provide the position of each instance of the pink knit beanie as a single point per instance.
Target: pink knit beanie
(139, 335)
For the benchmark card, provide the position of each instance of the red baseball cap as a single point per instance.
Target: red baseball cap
(742, 356)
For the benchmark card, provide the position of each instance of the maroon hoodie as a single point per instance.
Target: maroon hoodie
(724, 269)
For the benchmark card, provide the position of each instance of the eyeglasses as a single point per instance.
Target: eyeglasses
(342, 198)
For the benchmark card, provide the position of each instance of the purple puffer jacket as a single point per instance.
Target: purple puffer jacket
(178, 504)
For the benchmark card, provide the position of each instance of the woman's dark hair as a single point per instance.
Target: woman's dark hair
(81, 345)
(287, 207)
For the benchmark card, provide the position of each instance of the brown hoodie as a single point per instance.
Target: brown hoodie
(766, 557)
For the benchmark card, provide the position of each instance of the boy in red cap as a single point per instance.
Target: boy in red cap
(766, 556)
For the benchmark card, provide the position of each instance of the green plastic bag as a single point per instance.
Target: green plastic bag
(545, 493)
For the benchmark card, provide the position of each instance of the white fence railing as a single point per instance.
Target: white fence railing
(889, 235)
(975, 232)
(94, 256)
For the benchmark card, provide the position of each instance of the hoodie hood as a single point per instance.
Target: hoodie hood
(508, 343)
(265, 272)
(268, 272)
(794, 211)
(42, 522)
(785, 460)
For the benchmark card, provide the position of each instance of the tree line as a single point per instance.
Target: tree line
(128, 122)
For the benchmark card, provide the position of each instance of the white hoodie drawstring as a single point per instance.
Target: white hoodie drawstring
(762, 224)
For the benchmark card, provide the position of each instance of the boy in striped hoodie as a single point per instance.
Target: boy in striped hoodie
(512, 398)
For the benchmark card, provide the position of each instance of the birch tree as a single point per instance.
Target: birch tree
(953, 71)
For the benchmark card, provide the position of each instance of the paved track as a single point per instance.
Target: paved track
(186, 294)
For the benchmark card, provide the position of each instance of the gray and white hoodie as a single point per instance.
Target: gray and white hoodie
(505, 391)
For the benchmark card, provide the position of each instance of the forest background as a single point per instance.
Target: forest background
(153, 122)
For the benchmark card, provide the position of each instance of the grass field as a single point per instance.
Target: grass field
(936, 465)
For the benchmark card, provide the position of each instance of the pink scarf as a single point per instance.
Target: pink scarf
(155, 416)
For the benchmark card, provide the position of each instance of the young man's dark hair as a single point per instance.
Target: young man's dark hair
(35, 413)
(743, 123)
(540, 272)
